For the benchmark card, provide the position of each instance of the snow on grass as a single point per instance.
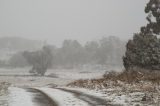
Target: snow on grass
(19, 97)
(87, 91)
(76, 74)
(14, 71)
(112, 98)
(63, 98)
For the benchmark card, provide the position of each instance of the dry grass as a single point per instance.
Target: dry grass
(134, 76)
(142, 80)
(4, 87)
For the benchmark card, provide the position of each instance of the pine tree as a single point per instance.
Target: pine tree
(143, 51)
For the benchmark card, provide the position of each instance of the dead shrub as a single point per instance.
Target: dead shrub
(125, 76)
(135, 75)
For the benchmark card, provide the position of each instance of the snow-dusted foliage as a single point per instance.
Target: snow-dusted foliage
(143, 52)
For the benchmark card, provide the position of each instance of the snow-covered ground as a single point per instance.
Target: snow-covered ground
(61, 73)
(76, 74)
(58, 77)
(63, 98)
(19, 97)
(113, 97)
(67, 96)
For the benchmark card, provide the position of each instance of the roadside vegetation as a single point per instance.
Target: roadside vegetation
(4, 87)
(141, 62)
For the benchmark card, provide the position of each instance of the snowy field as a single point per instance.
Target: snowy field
(19, 97)
(21, 77)
(73, 98)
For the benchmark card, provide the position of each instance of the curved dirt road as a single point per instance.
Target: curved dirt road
(68, 97)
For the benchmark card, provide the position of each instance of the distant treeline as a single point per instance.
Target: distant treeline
(107, 51)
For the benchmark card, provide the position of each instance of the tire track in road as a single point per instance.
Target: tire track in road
(40, 98)
(64, 98)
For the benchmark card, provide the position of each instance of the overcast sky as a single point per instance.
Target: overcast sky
(56, 20)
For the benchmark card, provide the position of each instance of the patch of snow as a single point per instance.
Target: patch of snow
(113, 98)
(121, 100)
(19, 97)
(63, 98)
(76, 74)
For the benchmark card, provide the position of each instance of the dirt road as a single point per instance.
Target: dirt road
(40, 98)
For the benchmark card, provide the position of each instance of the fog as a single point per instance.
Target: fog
(83, 20)
(79, 52)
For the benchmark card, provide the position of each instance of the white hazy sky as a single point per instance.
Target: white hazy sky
(56, 20)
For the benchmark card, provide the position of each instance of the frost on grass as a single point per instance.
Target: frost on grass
(127, 89)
